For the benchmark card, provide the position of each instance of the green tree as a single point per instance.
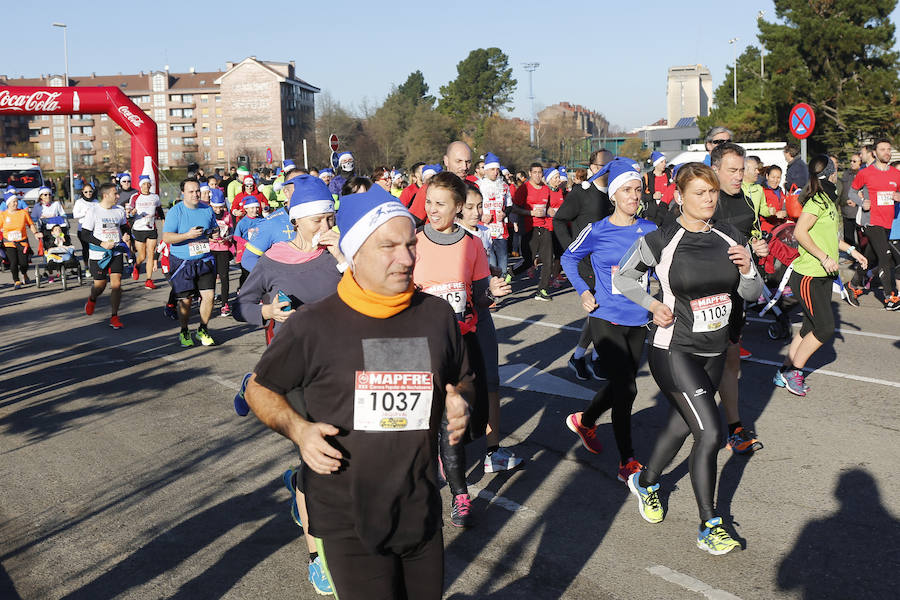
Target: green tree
(509, 140)
(484, 86)
(388, 125)
(428, 135)
(633, 148)
(836, 55)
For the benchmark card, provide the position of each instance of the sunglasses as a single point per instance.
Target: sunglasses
(719, 142)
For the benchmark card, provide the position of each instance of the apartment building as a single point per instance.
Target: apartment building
(211, 118)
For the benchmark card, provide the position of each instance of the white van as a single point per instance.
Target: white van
(24, 174)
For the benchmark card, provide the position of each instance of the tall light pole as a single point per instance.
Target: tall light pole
(531, 68)
(762, 50)
(732, 41)
(68, 123)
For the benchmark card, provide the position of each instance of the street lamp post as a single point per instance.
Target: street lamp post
(733, 41)
(68, 122)
(762, 51)
(531, 68)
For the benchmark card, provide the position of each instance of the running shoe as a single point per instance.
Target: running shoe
(892, 302)
(850, 295)
(185, 339)
(149, 284)
(588, 435)
(226, 310)
(204, 337)
(781, 382)
(543, 296)
(629, 468)
(597, 369)
(18, 286)
(555, 284)
(794, 382)
(461, 511)
(318, 578)
(508, 278)
(170, 312)
(288, 479)
(649, 504)
(579, 366)
(743, 441)
(115, 323)
(25, 280)
(501, 459)
(135, 274)
(89, 307)
(745, 354)
(714, 539)
(530, 273)
(240, 403)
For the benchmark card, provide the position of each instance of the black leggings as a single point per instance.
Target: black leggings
(358, 574)
(84, 238)
(689, 382)
(244, 275)
(538, 242)
(878, 239)
(18, 260)
(223, 257)
(620, 348)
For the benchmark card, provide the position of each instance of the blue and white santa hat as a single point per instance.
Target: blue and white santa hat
(326, 171)
(396, 175)
(217, 197)
(550, 172)
(657, 157)
(361, 214)
(9, 193)
(491, 161)
(287, 165)
(310, 197)
(204, 188)
(428, 170)
(621, 170)
(144, 178)
(504, 170)
(344, 156)
(250, 201)
(562, 173)
(43, 190)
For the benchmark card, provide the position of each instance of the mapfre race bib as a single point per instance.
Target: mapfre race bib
(496, 229)
(14, 236)
(198, 248)
(392, 400)
(454, 293)
(885, 199)
(711, 313)
(109, 235)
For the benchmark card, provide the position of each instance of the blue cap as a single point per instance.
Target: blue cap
(287, 164)
(217, 197)
(431, 169)
(621, 170)
(250, 201)
(361, 214)
(491, 161)
(550, 172)
(310, 197)
(657, 157)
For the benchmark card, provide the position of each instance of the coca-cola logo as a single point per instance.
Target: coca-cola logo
(135, 120)
(35, 102)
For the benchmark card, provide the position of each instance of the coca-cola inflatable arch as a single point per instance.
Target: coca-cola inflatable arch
(26, 100)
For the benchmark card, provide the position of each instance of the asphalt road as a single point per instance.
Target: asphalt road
(125, 472)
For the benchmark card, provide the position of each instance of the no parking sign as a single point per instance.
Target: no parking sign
(802, 121)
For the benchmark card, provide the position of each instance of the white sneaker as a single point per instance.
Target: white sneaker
(501, 459)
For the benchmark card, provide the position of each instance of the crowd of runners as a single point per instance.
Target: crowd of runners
(376, 297)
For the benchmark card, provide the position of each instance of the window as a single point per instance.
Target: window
(87, 159)
(45, 131)
(206, 141)
(204, 98)
(76, 131)
(206, 156)
(105, 159)
(60, 160)
(163, 143)
(189, 113)
(159, 114)
(159, 99)
(189, 128)
(104, 117)
(87, 130)
(164, 157)
(190, 141)
(291, 121)
(45, 159)
(104, 145)
(176, 98)
(205, 112)
(187, 98)
(58, 119)
(218, 98)
(158, 82)
(45, 117)
(56, 82)
(45, 145)
(220, 141)
(176, 127)
(205, 128)
(176, 155)
(141, 99)
(59, 147)
(218, 111)
(220, 154)
(218, 127)
(59, 132)
(176, 141)
(176, 112)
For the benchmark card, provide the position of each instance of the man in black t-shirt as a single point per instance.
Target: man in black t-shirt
(373, 369)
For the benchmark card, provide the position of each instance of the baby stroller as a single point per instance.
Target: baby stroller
(58, 260)
(777, 270)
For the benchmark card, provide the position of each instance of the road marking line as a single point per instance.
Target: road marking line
(690, 583)
(755, 360)
(882, 336)
(541, 323)
(505, 503)
(762, 361)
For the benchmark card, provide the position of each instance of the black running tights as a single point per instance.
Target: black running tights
(689, 382)
(620, 348)
(223, 257)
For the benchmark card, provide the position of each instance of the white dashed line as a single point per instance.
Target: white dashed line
(497, 500)
(541, 323)
(690, 583)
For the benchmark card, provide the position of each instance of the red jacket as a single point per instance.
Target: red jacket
(238, 202)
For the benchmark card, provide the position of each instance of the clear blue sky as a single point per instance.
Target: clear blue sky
(598, 54)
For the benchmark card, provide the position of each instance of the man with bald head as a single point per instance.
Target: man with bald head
(457, 160)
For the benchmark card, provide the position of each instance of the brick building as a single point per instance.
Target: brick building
(589, 122)
(210, 118)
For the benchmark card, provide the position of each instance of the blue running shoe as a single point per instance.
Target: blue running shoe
(288, 479)
(240, 404)
(781, 382)
(318, 579)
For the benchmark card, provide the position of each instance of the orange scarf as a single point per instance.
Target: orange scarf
(370, 303)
